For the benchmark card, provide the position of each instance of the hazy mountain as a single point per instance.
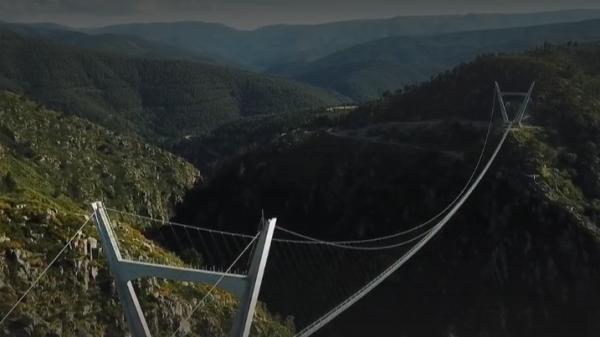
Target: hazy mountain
(367, 70)
(514, 249)
(161, 100)
(278, 45)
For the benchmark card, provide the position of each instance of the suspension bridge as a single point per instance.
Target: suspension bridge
(296, 275)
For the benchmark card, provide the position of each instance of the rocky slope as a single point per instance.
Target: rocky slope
(51, 167)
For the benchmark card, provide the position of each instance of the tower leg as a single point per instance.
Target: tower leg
(246, 286)
(523, 106)
(501, 101)
(131, 306)
(247, 307)
(133, 311)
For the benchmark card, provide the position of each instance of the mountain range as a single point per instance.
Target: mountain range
(367, 70)
(278, 45)
(358, 59)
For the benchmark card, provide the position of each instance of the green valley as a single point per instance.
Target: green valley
(160, 100)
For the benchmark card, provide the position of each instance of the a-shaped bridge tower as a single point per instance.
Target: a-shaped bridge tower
(245, 287)
(520, 113)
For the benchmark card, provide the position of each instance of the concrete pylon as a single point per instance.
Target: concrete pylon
(518, 117)
(245, 287)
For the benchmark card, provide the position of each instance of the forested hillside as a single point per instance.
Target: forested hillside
(365, 71)
(248, 133)
(110, 43)
(279, 45)
(51, 167)
(160, 100)
(520, 257)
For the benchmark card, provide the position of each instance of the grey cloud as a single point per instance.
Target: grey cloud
(252, 13)
(89, 7)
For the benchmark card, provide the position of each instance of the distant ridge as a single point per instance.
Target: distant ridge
(110, 43)
(367, 70)
(278, 45)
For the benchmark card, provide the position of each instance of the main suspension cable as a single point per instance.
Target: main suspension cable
(351, 243)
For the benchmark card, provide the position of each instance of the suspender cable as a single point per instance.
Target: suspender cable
(413, 228)
(309, 330)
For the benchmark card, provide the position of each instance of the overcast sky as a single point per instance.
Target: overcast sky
(253, 13)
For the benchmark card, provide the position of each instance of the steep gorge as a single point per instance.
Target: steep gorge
(518, 260)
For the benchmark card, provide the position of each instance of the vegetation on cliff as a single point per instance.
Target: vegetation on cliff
(51, 167)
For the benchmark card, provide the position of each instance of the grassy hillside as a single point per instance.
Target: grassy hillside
(51, 167)
(161, 100)
(519, 259)
(278, 45)
(56, 157)
(365, 71)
